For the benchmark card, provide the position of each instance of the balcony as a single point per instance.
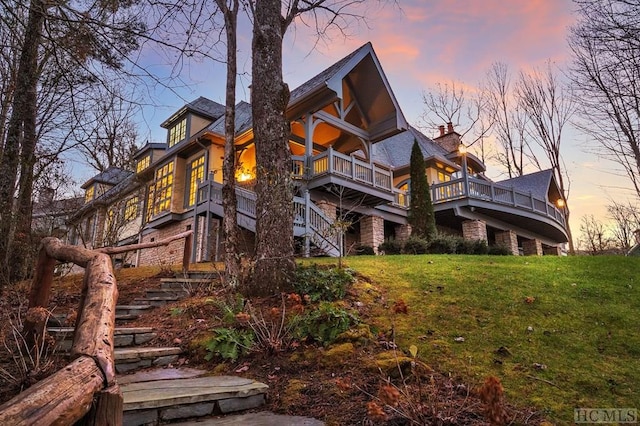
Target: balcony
(491, 196)
(358, 178)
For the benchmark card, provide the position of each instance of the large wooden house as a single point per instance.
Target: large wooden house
(350, 146)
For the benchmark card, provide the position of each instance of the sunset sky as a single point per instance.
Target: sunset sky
(422, 44)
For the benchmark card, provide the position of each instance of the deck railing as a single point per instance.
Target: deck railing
(86, 388)
(482, 190)
(345, 166)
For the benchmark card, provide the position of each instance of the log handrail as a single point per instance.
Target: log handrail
(68, 395)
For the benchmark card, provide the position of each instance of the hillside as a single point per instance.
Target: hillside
(557, 332)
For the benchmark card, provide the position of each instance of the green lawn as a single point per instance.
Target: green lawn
(584, 321)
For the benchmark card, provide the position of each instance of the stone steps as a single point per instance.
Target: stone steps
(132, 358)
(160, 395)
(122, 336)
(152, 402)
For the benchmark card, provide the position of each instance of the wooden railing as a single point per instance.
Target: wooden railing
(345, 166)
(86, 388)
(482, 190)
(307, 217)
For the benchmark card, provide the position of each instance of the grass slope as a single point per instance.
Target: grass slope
(576, 317)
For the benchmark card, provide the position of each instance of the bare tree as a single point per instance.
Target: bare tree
(626, 220)
(594, 235)
(105, 134)
(514, 152)
(54, 33)
(274, 262)
(606, 73)
(232, 261)
(451, 103)
(548, 107)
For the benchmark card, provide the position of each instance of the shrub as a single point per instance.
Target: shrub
(229, 343)
(322, 283)
(472, 246)
(499, 250)
(362, 249)
(415, 245)
(391, 247)
(323, 324)
(444, 244)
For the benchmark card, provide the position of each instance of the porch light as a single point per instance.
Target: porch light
(462, 149)
(244, 176)
(560, 202)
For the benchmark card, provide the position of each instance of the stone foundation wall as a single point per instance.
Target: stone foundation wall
(474, 230)
(165, 255)
(372, 231)
(532, 248)
(403, 232)
(509, 239)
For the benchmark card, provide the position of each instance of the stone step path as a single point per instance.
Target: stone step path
(122, 336)
(152, 402)
(159, 394)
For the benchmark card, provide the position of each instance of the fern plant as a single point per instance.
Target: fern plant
(229, 343)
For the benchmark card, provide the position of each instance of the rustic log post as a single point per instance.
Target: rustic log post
(94, 330)
(39, 297)
(107, 409)
(61, 399)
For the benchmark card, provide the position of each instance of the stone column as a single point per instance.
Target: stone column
(474, 230)
(552, 250)
(509, 239)
(403, 232)
(329, 209)
(532, 247)
(372, 231)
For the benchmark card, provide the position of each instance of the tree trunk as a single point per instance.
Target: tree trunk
(229, 202)
(274, 207)
(20, 135)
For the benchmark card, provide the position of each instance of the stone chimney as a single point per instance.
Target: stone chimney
(449, 140)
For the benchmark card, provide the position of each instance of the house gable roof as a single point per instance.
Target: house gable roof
(111, 176)
(539, 184)
(243, 122)
(201, 106)
(361, 73)
(396, 150)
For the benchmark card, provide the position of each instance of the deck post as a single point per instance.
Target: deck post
(307, 225)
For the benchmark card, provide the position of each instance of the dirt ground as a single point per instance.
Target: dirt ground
(345, 384)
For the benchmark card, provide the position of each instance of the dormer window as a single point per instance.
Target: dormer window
(178, 132)
(89, 194)
(143, 163)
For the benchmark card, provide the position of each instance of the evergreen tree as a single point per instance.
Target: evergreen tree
(421, 215)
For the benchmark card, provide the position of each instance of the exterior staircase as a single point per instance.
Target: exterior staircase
(309, 221)
(159, 393)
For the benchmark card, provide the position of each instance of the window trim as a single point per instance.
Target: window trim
(191, 186)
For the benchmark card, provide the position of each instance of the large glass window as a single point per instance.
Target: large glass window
(160, 192)
(143, 163)
(90, 193)
(131, 208)
(178, 132)
(195, 173)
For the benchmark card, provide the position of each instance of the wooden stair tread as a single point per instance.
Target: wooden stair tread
(164, 393)
(131, 307)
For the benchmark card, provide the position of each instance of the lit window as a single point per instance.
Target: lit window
(131, 208)
(178, 132)
(160, 192)
(143, 163)
(196, 174)
(443, 177)
(89, 194)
